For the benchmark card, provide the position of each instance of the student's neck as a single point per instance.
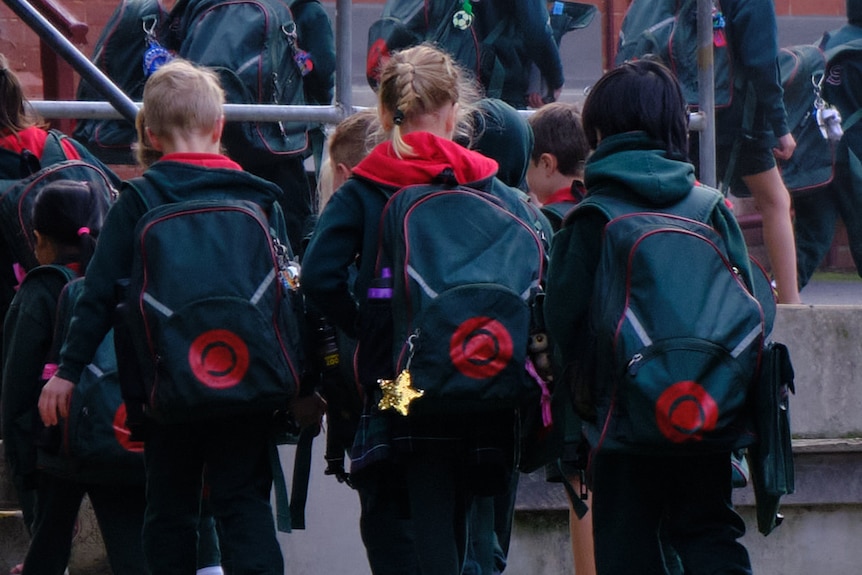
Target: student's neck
(192, 145)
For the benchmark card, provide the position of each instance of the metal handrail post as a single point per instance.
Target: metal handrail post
(343, 58)
(706, 92)
(62, 46)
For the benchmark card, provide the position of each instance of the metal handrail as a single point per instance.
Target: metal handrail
(702, 121)
(233, 112)
(59, 43)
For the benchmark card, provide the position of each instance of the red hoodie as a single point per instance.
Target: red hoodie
(434, 155)
(33, 139)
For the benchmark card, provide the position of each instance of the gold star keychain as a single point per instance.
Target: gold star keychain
(398, 393)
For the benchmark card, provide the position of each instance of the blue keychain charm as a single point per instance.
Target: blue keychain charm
(156, 55)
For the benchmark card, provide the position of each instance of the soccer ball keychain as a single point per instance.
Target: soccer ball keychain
(463, 18)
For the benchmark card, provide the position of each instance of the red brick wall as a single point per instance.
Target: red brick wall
(21, 45)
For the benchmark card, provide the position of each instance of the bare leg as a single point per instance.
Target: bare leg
(773, 201)
(581, 533)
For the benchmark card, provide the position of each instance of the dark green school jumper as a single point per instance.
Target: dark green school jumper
(687, 499)
(416, 472)
(51, 486)
(232, 451)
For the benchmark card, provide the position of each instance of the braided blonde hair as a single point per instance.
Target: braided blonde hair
(421, 80)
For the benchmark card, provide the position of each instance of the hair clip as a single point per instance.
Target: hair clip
(83, 230)
(398, 117)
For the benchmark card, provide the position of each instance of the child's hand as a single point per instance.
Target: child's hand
(308, 410)
(54, 400)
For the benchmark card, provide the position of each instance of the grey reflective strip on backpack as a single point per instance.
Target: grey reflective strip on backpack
(743, 345)
(418, 279)
(96, 370)
(638, 327)
(661, 24)
(433, 294)
(159, 306)
(646, 340)
(264, 285)
(168, 312)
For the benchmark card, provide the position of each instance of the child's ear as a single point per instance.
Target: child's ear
(343, 171)
(155, 141)
(44, 250)
(218, 129)
(548, 163)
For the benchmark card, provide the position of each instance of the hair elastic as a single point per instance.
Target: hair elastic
(83, 230)
(398, 117)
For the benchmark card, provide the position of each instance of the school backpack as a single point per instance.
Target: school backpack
(667, 29)
(677, 344)
(405, 23)
(812, 164)
(121, 53)
(460, 294)
(17, 197)
(252, 45)
(95, 432)
(23, 175)
(212, 310)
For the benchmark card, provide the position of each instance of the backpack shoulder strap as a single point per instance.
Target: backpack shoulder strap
(557, 212)
(697, 205)
(60, 319)
(53, 152)
(145, 190)
(835, 51)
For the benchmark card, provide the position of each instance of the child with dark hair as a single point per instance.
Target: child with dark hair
(67, 219)
(20, 129)
(555, 175)
(26, 145)
(635, 120)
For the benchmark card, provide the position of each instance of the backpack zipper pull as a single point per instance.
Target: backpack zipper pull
(634, 364)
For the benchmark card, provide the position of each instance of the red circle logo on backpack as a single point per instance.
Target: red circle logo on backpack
(218, 358)
(481, 347)
(122, 433)
(684, 411)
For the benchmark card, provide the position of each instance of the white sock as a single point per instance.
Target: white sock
(214, 570)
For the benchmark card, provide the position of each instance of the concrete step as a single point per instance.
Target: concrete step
(820, 532)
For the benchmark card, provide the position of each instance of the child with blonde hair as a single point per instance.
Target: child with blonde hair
(422, 468)
(183, 120)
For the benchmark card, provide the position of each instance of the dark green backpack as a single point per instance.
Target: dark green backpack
(17, 197)
(677, 345)
(212, 310)
(458, 294)
(667, 29)
(252, 45)
(812, 164)
(119, 53)
(450, 24)
(95, 433)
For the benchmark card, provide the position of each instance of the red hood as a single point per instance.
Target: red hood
(434, 155)
(33, 139)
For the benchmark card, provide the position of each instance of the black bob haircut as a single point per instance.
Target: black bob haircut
(640, 95)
